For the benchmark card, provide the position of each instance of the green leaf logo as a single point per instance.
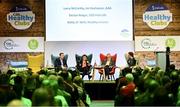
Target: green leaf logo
(33, 44)
(170, 42)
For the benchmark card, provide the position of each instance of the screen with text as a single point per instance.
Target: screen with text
(89, 20)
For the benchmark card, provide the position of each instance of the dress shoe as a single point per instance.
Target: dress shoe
(89, 77)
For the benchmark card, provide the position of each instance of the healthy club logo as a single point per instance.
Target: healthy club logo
(21, 17)
(9, 44)
(157, 16)
(170, 42)
(147, 43)
(33, 44)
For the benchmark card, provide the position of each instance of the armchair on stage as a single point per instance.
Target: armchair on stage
(79, 68)
(112, 72)
(35, 62)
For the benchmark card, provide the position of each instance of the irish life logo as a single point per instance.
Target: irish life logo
(9, 44)
(21, 17)
(157, 16)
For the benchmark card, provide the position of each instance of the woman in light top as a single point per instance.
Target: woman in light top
(108, 65)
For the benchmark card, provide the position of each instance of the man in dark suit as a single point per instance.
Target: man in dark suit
(60, 63)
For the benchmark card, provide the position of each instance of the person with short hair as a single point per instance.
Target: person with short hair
(42, 97)
(60, 63)
(131, 61)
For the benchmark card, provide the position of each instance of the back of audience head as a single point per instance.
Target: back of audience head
(172, 67)
(15, 103)
(31, 83)
(61, 83)
(151, 85)
(126, 70)
(18, 86)
(10, 72)
(4, 79)
(78, 80)
(42, 97)
(145, 71)
(174, 75)
(161, 97)
(129, 77)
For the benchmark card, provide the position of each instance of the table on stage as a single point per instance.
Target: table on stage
(96, 68)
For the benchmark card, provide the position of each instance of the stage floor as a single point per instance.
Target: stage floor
(102, 103)
(99, 81)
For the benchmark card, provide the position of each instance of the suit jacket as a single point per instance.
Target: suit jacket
(58, 63)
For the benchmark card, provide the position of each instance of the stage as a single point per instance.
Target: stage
(100, 90)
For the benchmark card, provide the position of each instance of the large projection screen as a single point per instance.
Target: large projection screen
(89, 20)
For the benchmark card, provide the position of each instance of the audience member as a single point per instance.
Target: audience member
(131, 61)
(42, 97)
(135, 87)
(15, 103)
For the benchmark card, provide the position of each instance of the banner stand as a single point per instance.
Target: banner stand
(161, 59)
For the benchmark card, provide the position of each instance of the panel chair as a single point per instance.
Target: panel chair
(78, 60)
(35, 62)
(112, 72)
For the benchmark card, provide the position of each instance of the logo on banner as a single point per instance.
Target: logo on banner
(170, 42)
(147, 43)
(125, 33)
(157, 16)
(21, 17)
(9, 44)
(33, 44)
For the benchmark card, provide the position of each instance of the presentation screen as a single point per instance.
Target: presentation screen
(89, 20)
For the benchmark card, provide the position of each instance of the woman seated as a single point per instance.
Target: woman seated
(84, 67)
(131, 61)
(108, 65)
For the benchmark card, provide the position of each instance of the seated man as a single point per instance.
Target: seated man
(108, 65)
(60, 63)
(84, 66)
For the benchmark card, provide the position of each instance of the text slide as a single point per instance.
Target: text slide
(89, 20)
